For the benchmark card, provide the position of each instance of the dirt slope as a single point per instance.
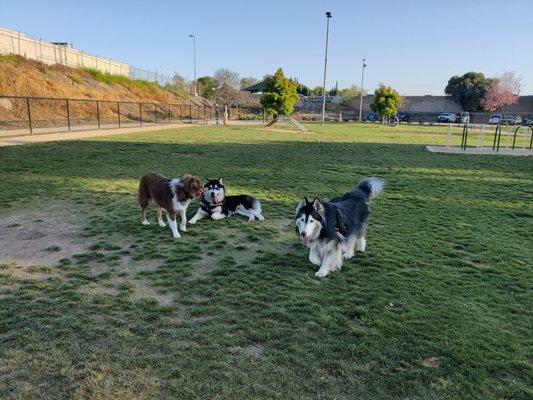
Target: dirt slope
(23, 77)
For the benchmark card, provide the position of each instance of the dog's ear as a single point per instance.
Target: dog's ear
(319, 207)
(220, 181)
(206, 178)
(303, 203)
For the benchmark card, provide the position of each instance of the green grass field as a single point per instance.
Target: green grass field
(95, 306)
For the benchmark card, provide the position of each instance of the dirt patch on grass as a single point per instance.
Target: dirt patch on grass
(39, 237)
(255, 350)
(431, 362)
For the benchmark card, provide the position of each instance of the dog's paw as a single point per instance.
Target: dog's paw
(347, 256)
(177, 236)
(321, 273)
(192, 221)
(217, 216)
(145, 222)
(183, 228)
(260, 218)
(361, 245)
(251, 219)
(162, 224)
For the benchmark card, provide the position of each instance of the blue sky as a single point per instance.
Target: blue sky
(411, 45)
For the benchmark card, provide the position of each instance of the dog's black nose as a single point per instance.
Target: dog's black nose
(303, 234)
(212, 194)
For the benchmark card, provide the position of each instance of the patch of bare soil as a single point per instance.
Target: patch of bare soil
(255, 350)
(41, 237)
(431, 362)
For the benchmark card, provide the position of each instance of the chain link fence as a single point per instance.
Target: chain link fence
(149, 76)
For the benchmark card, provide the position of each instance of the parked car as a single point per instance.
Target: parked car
(403, 116)
(462, 118)
(446, 117)
(528, 121)
(512, 119)
(495, 119)
(371, 117)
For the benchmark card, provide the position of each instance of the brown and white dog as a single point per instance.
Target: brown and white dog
(170, 195)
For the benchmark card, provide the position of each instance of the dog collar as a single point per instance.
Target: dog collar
(208, 204)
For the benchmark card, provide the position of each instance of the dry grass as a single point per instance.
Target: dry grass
(23, 77)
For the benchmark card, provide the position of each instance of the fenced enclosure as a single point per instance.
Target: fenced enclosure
(30, 115)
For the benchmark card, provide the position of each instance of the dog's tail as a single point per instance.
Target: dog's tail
(370, 187)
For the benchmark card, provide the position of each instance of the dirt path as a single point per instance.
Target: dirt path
(52, 137)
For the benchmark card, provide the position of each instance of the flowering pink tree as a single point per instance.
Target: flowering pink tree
(502, 91)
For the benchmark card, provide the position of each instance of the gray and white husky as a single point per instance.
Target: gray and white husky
(333, 230)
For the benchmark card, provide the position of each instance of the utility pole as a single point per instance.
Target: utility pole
(328, 16)
(194, 50)
(362, 90)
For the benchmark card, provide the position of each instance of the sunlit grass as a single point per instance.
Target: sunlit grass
(439, 306)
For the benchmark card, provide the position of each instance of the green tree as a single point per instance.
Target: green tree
(317, 91)
(468, 90)
(279, 96)
(386, 101)
(353, 92)
(302, 89)
(206, 87)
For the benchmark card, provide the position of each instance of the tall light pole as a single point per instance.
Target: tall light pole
(328, 16)
(362, 82)
(194, 47)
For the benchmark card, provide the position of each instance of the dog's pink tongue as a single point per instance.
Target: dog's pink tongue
(305, 240)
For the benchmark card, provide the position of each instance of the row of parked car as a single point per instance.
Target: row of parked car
(406, 117)
(494, 119)
(458, 118)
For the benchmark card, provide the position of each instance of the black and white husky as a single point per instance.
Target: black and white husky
(215, 204)
(332, 230)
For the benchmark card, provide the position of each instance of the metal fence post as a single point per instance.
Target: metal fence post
(169, 113)
(179, 112)
(190, 113)
(264, 116)
(68, 114)
(118, 112)
(29, 114)
(141, 113)
(98, 113)
(155, 113)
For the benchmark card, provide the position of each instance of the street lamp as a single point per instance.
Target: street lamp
(194, 47)
(361, 99)
(328, 16)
